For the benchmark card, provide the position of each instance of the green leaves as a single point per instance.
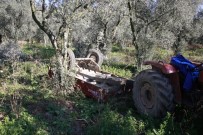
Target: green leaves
(24, 125)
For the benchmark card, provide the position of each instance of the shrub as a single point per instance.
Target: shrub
(10, 51)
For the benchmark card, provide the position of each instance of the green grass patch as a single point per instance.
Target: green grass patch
(112, 123)
(38, 51)
(194, 55)
(161, 54)
(24, 125)
(121, 70)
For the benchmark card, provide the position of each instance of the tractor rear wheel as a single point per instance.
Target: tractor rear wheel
(153, 93)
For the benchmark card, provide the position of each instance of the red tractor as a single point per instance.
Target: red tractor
(156, 91)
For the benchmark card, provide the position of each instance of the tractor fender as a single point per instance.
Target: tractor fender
(163, 67)
(172, 73)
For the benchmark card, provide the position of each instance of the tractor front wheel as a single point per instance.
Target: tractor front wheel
(153, 93)
(96, 55)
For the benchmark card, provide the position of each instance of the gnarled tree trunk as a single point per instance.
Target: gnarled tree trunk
(61, 48)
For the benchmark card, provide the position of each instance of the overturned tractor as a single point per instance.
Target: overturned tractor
(155, 91)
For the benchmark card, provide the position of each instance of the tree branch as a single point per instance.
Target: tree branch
(33, 10)
(52, 8)
(63, 25)
(131, 21)
(158, 18)
(76, 8)
(43, 11)
(43, 26)
(142, 18)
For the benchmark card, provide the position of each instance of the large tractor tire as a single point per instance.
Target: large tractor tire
(96, 55)
(153, 93)
(71, 59)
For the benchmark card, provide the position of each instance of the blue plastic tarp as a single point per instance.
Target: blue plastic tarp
(189, 71)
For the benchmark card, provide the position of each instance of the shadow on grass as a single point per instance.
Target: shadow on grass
(189, 123)
(55, 114)
(78, 115)
(60, 115)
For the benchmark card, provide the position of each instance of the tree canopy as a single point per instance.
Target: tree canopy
(93, 23)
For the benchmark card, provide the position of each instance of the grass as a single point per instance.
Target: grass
(162, 55)
(117, 71)
(111, 122)
(38, 51)
(28, 105)
(194, 55)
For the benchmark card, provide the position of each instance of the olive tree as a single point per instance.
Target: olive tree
(144, 22)
(14, 19)
(180, 23)
(109, 14)
(55, 18)
(160, 21)
(99, 27)
(197, 27)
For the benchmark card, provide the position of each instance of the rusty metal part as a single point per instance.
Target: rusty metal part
(200, 80)
(164, 67)
(94, 83)
(175, 82)
(99, 85)
(172, 73)
(88, 63)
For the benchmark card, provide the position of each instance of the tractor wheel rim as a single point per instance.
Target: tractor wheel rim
(94, 58)
(147, 95)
